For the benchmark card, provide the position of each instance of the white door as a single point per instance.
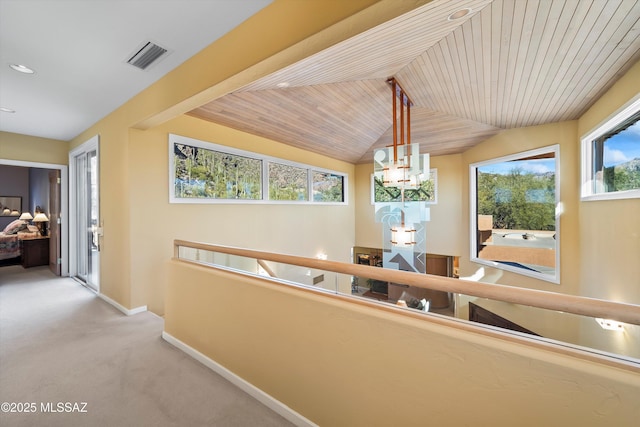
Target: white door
(85, 209)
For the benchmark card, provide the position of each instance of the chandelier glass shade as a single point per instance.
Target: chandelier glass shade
(403, 236)
(407, 170)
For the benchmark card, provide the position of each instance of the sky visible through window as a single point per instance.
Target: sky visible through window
(623, 147)
(536, 166)
(618, 149)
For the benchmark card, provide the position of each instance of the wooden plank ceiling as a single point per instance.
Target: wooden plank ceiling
(507, 64)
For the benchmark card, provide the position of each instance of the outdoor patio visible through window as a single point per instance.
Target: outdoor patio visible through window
(515, 213)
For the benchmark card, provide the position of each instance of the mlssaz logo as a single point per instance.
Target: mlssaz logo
(63, 407)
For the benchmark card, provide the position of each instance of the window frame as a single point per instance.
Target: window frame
(473, 204)
(265, 160)
(268, 166)
(587, 191)
(433, 173)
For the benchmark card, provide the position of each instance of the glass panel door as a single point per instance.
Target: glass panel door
(85, 210)
(81, 261)
(93, 246)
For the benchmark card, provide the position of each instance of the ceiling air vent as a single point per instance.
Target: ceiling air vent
(147, 55)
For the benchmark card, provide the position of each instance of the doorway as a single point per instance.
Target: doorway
(85, 227)
(53, 200)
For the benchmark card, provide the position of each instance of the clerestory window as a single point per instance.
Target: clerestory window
(202, 172)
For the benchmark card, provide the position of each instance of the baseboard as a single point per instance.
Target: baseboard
(264, 398)
(122, 308)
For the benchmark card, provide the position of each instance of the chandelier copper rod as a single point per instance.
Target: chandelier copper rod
(397, 90)
(395, 123)
(402, 124)
(408, 120)
(408, 130)
(398, 87)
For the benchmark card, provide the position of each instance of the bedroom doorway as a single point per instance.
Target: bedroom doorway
(55, 209)
(85, 210)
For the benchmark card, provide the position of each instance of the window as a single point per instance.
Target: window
(513, 213)
(328, 187)
(427, 192)
(201, 172)
(288, 182)
(204, 173)
(611, 157)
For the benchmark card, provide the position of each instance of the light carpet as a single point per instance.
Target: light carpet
(74, 360)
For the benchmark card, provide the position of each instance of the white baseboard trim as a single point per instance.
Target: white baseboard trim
(264, 398)
(122, 308)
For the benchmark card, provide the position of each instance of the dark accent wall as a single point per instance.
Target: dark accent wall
(32, 184)
(14, 181)
(39, 189)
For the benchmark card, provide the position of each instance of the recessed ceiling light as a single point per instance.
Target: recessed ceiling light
(459, 14)
(21, 68)
(7, 110)
(283, 85)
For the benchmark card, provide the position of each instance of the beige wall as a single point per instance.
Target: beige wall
(114, 206)
(368, 232)
(304, 230)
(27, 148)
(365, 367)
(443, 231)
(610, 229)
(248, 52)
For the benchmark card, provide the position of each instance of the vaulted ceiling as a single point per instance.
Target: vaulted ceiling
(506, 64)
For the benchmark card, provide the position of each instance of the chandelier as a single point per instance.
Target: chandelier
(402, 167)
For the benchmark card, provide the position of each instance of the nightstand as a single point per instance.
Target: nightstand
(35, 251)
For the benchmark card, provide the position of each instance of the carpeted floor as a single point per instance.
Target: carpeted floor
(73, 360)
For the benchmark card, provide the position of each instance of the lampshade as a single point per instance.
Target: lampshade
(26, 216)
(394, 175)
(40, 217)
(403, 236)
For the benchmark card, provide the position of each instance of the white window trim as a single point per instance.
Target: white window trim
(473, 255)
(586, 192)
(178, 139)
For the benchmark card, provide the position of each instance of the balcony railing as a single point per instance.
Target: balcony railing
(571, 315)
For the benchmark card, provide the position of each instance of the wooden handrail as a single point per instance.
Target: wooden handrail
(591, 307)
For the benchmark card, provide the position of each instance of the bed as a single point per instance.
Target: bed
(10, 239)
